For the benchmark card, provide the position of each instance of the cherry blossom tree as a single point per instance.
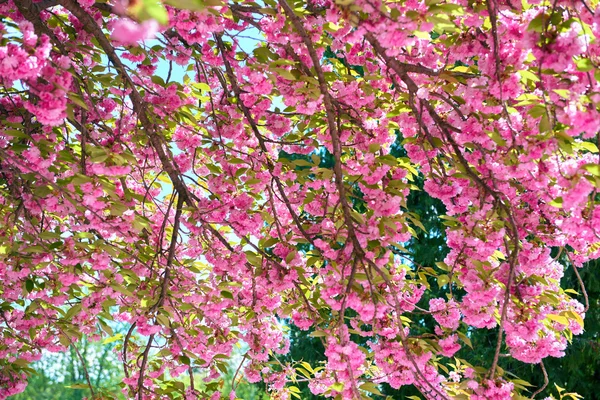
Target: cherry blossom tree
(163, 165)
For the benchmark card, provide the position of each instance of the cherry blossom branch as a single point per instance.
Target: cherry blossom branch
(402, 334)
(140, 108)
(330, 112)
(281, 268)
(138, 103)
(445, 127)
(581, 284)
(140, 385)
(546, 381)
(237, 91)
(167, 274)
(337, 153)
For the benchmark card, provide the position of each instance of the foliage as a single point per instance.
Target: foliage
(61, 376)
(404, 180)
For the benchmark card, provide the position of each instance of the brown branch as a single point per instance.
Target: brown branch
(500, 198)
(170, 256)
(581, 285)
(237, 91)
(347, 292)
(143, 367)
(546, 381)
(237, 371)
(338, 173)
(492, 13)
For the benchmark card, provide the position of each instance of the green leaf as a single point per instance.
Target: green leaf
(150, 9)
(307, 366)
(121, 289)
(78, 386)
(253, 259)
(537, 24)
(465, 339)
(105, 327)
(545, 125)
(291, 255)
(73, 311)
(185, 360)
(558, 318)
(521, 382)
(77, 100)
(370, 387)
(158, 80)
(14, 133)
(565, 146)
(33, 249)
(589, 146)
(564, 93)
(293, 389)
(284, 73)
(202, 86)
(112, 339)
(495, 136)
(528, 76)
(537, 111)
(442, 280)
(193, 5)
(584, 65)
(338, 387)
(593, 169)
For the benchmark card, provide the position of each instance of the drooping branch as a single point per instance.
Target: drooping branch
(237, 91)
(500, 199)
(141, 109)
(338, 173)
(546, 381)
(331, 124)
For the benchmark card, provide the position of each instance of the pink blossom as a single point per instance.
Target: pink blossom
(128, 32)
(446, 314)
(449, 345)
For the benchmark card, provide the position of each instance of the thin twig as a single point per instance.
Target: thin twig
(581, 284)
(546, 381)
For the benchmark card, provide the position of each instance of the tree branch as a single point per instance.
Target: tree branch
(237, 91)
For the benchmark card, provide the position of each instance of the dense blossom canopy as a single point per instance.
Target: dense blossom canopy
(162, 165)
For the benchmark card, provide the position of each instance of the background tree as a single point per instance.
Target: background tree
(62, 377)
